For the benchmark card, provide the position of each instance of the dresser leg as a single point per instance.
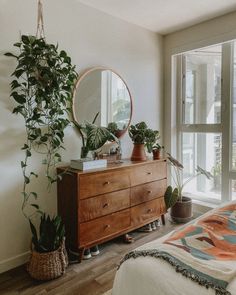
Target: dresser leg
(76, 256)
(81, 253)
(163, 219)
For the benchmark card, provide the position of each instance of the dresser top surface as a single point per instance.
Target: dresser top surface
(124, 163)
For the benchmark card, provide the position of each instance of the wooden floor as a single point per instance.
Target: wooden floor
(91, 277)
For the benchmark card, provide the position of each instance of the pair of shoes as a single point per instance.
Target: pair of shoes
(146, 228)
(88, 253)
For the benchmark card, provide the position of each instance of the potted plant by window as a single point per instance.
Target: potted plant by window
(181, 206)
(42, 88)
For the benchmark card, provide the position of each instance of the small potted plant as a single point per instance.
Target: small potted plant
(152, 137)
(138, 134)
(181, 206)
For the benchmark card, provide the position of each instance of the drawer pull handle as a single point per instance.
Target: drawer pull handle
(107, 226)
(105, 205)
(149, 173)
(107, 182)
(149, 210)
(149, 192)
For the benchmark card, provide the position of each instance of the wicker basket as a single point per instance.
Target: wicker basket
(48, 266)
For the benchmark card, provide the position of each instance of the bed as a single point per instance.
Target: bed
(153, 276)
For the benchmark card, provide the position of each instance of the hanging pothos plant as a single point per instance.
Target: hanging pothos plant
(42, 88)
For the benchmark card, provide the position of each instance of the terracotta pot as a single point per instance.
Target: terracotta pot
(156, 154)
(138, 153)
(181, 212)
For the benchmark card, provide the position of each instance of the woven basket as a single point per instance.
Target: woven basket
(48, 266)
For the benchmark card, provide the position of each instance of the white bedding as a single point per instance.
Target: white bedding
(152, 276)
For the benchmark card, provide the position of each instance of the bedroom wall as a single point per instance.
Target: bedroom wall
(91, 38)
(217, 30)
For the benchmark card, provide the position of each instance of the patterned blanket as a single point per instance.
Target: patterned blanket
(203, 251)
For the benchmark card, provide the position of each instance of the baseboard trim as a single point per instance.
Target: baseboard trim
(13, 262)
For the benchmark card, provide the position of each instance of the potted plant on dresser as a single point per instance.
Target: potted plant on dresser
(180, 205)
(42, 88)
(142, 136)
(152, 144)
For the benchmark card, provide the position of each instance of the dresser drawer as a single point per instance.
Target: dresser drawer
(104, 204)
(148, 172)
(141, 214)
(103, 227)
(101, 183)
(149, 191)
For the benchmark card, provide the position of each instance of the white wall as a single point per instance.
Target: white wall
(91, 38)
(218, 30)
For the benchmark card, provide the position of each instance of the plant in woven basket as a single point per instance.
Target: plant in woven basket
(48, 257)
(51, 234)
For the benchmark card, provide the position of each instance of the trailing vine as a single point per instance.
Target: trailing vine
(42, 88)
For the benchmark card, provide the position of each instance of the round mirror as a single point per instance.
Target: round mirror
(102, 91)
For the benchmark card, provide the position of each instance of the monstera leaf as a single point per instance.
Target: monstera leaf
(97, 136)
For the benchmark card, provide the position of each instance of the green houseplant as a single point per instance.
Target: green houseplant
(152, 143)
(181, 206)
(42, 88)
(142, 136)
(93, 136)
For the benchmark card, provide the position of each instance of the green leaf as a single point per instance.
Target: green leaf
(27, 180)
(18, 44)
(28, 153)
(34, 234)
(23, 164)
(25, 147)
(34, 174)
(10, 54)
(18, 73)
(35, 195)
(35, 206)
(96, 136)
(18, 98)
(25, 39)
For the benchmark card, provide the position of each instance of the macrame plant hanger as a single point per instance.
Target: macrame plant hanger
(40, 25)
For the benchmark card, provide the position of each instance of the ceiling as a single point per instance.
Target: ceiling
(163, 16)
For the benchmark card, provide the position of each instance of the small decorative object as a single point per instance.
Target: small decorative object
(87, 164)
(181, 206)
(142, 136)
(42, 88)
(48, 255)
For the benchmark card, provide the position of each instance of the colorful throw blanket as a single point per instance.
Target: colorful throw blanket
(203, 251)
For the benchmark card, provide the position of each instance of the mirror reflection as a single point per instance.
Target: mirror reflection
(102, 90)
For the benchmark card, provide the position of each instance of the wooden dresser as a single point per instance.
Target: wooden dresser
(98, 205)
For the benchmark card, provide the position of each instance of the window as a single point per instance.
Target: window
(206, 120)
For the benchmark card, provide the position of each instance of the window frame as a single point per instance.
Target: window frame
(224, 127)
